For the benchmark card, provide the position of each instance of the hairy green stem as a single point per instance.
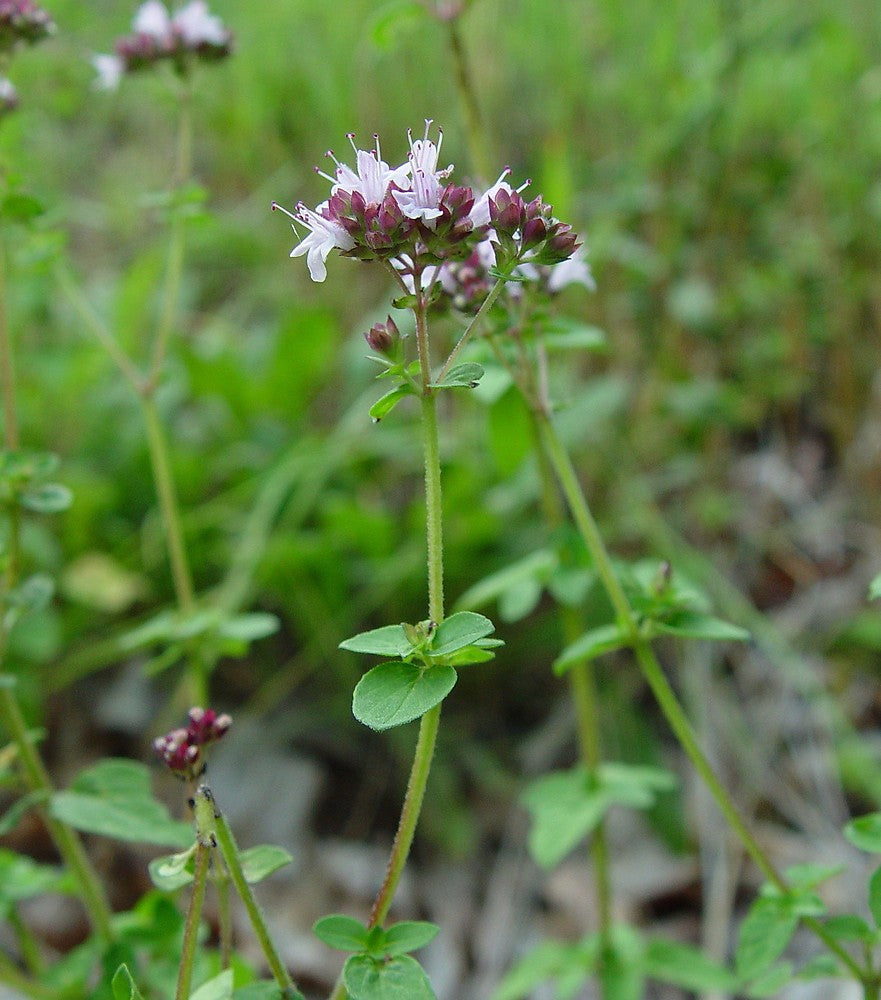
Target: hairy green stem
(663, 692)
(485, 307)
(191, 928)
(228, 848)
(66, 840)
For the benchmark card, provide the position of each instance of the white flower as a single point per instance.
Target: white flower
(574, 271)
(422, 201)
(479, 214)
(373, 175)
(324, 235)
(109, 69)
(197, 26)
(153, 19)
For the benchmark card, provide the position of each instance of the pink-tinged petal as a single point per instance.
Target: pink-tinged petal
(153, 19)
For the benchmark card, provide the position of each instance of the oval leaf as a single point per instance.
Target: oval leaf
(408, 935)
(394, 693)
(390, 640)
(865, 833)
(400, 978)
(172, 871)
(461, 376)
(341, 932)
(123, 986)
(260, 861)
(458, 631)
(385, 404)
(218, 988)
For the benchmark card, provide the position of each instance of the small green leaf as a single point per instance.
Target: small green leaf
(9, 819)
(394, 693)
(23, 208)
(821, 967)
(809, 876)
(694, 625)
(550, 960)
(218, 988)
(409, 935)
(385, 404)
(849, 927)
(47, 498)
(123, 986)
(113, 798)
(23, 878)
(390, 640)
(400, 978)
(159, 628)
(865, 833)
(565, 808)
(572, 336)
(461, 376)
(596, 642)
(459, 630)
(469, 655)
(537, 565)
(686, 966)
(519, 600)
(391, 18)
(31, 595)
(769, 983)
(764, 934)
(261, 861)
(875, 588)
(171, 871)
(341, 932)
(249, 627)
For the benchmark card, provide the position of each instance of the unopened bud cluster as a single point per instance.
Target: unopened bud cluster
(414, 217)
(23, 21)
(157, 36)
(183, 749)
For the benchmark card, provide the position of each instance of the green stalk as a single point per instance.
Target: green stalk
(11, 975)
(485, 307)
(430, 721)
(27, 943)
(582, 683)
(66, 840)
(191, 928)
(663, 692)
(227, 844)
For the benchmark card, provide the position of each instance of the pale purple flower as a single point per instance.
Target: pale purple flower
(574, 271)
(324, 235)
(373, 175)
(480, 212)
(422, 201)
(198, 27)
(109, 69)
(153, 19)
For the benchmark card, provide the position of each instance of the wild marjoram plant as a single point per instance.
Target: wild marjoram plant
(414, 221)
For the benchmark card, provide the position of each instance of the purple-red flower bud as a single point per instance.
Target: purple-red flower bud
(182, 749)
(382, 337)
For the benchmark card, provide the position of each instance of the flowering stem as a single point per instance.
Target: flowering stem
(654, 676)
(582, 682)
(191, 928)
(228, 848)
(486, 305)
(66, 840)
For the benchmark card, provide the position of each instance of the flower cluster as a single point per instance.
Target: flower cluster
(415, 218)
(157, 35)
(183, 750)
(22, 21)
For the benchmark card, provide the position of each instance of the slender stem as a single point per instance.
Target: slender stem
(477, 146)
(174, 267)
(191, 928)
(222, 881)
(659, 685)
(27, 943)
(168, 505)
(7, 365)
(485, 307)
(226, 843)
(434, 515)
(582, 682)
(66, 840)
(94, 322)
